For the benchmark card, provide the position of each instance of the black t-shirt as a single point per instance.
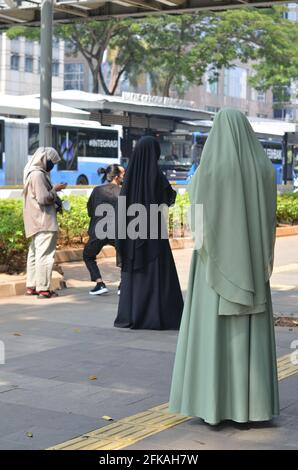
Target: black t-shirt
(105, 194)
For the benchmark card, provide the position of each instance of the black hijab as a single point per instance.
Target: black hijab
(145, 184)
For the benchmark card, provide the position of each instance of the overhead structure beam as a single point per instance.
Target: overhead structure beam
(68, 11)
(72, 10)
(10, 3)
(149, 5)
(10, 19)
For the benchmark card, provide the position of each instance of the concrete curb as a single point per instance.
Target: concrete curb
(17, 285)
(13, 287)
(287, 231)
(10, 288)
(70, 255)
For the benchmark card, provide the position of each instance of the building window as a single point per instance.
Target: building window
(55, 68)
(74, 77)
(28, 64)
(235, 82)
(55, 42)
(259, 96)
(56, 49)
(291, 14)
(282, 94)
(15, 45)
(69, 48)
(212, 87)
(211, 84)
(14, 61)
(29, 48)
(283, 113)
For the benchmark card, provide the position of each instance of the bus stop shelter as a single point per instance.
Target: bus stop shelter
(136, 113)
(133, 109)
(46, 12)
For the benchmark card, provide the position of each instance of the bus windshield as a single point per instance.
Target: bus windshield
(175, 150)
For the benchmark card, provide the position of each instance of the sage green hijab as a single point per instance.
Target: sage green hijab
(235, 182)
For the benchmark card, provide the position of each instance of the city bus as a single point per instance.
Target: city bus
(84, 147)
(176, 152)
(175, 159)
(273, 136)
(273, 148)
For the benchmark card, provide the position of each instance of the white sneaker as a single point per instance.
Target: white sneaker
(99, 289)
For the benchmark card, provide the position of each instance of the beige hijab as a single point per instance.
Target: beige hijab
(39, 163)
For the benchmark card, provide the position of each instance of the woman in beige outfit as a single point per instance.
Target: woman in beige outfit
(40, 220)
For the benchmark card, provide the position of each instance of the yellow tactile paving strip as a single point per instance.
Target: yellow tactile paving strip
(128, 431)
(287, 365)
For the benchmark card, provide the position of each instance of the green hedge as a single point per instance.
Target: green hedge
(287, 208)
(74, 225)
(13, 244)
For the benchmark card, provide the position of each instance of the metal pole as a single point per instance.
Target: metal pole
(46, 51)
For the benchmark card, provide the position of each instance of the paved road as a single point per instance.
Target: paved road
(53, 348)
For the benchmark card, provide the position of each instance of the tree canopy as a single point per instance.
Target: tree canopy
(176, 51)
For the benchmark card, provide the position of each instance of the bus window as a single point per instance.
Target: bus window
(1, 143)
(99, 143)
(67, 147)
(33, 138)
(274, 154)
(175, 149)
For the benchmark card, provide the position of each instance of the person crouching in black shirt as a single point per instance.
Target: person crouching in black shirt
(105, 194)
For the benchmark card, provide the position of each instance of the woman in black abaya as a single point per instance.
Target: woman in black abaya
(150, 295)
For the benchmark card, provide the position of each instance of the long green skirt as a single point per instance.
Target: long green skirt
(225, 366)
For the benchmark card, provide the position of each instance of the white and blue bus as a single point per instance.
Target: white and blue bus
(273, 136)
(84, 147)
(273, 148)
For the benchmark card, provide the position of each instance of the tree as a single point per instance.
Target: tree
(93, 40)
(183, 48)
(176, 51)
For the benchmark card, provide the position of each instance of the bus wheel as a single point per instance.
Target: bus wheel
(82, 179)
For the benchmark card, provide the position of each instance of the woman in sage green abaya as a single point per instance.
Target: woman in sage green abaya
(225, 365)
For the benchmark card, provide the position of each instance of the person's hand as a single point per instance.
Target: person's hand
(60, 186)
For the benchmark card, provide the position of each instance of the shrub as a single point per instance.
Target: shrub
(74, 225)
(287, 208)
(13, 243)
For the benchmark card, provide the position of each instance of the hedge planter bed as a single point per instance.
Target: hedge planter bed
(74, 225)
